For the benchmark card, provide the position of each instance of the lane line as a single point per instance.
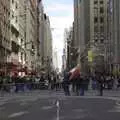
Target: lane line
(18, 114)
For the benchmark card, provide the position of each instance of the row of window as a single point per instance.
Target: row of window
(101, 9)
(96, 20)
(101, 40)
(96, 29)
(96, 2)
(16, 6)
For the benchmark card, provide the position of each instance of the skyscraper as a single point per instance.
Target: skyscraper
(5, 44)
(90, 26)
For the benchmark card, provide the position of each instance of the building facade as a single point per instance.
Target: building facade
(116, 35)
(22, 37)
(45, 39)
(47, 44)
(90, 22)
(5, 44)
(81, 31)
(14, 35)
(98, 34)
(31, 33)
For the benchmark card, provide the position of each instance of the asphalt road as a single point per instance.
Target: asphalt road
(59, 108)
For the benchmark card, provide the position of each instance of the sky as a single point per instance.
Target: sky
(61, 17)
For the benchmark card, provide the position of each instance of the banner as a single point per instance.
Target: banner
(90, 56)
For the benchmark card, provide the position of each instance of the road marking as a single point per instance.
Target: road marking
(118, 103)
(17, 114)
(116, 108)
(58, 109)
(47, 107)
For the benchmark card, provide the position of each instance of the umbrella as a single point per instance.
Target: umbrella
(75, 72)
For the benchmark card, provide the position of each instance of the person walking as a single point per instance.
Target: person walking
(66, 83)
(80, 85)
(101, 83)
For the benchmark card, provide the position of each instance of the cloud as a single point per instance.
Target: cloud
(54, 7)
(61, 17)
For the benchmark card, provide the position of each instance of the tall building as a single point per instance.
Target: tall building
(98, 35)
(47, 44)
(31, 33)
(55, 59)
(5, 44)
(45, 39)
(90, 32)
(38, 42)
(81, 30)
(22, 40)
(116, 34)
(14, 35)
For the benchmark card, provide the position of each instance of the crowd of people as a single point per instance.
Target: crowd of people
(98, 82)
(18, 83)
(78, 85)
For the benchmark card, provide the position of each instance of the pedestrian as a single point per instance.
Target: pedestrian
(1, 83)
(100, 83)
(94, 83)
(80, 85)
(118, 85)
(54, 82)
(73, 81)
(66, 84)
(77, 85)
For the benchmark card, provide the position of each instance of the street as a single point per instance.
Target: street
(59, 107)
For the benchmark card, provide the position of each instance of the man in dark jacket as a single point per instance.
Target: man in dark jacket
(80, 85)
(66, 83)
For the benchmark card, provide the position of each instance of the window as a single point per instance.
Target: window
(21, 41)
(95, 19)
(96, 40)
(101, 19)
(101, 10)
(101, 2)
(95, 2)
(16, 5)
(101, 29)
(95, 28)
(21, 56)
(12, 14)
(16, 19)
(12, 1)
(102, 41)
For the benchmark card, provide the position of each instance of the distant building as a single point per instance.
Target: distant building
(45, 38)
(55, 59)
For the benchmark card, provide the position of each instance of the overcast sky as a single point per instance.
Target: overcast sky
(61, 17)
